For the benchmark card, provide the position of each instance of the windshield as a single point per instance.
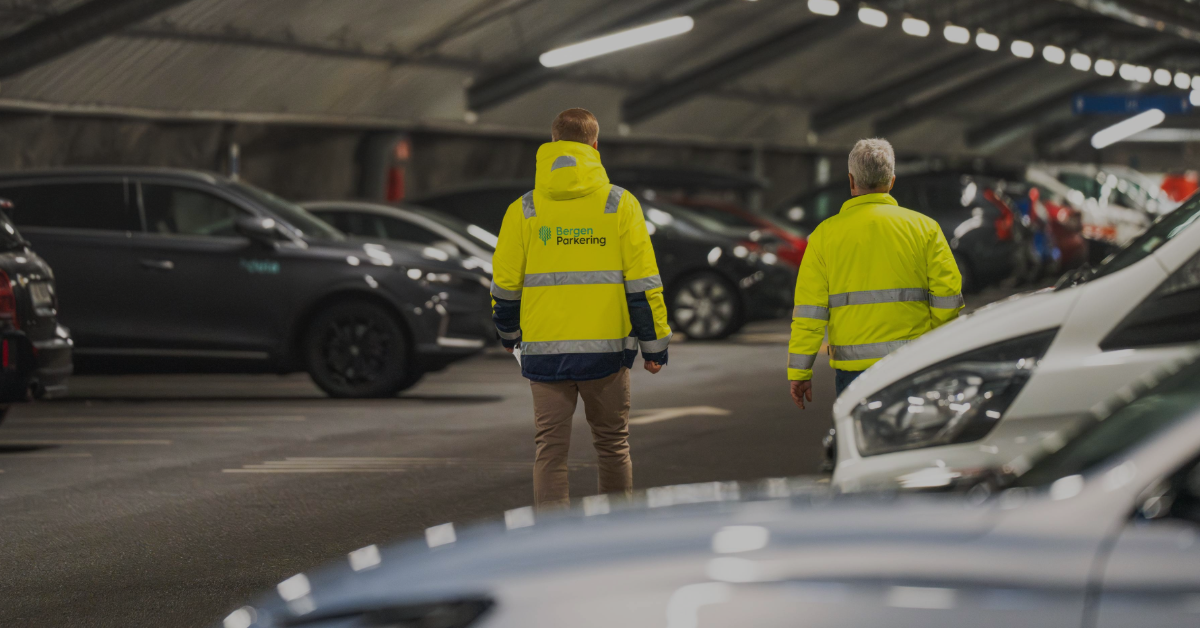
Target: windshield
(1164, 228)
(1128, 426)
(474, 233)
(310, 226)
(695, 219)
(9, 238)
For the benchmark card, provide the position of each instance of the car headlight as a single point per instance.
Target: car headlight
(956, 401)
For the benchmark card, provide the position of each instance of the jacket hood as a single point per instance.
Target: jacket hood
(567, 170)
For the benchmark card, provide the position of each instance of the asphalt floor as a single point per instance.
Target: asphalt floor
(169, 500)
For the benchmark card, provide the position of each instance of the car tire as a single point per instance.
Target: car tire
(359, 349)
(705, 306)
(969, 285)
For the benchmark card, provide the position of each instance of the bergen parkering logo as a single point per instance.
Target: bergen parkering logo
(571, 235)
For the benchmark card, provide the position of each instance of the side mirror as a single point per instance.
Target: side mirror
(261, 230)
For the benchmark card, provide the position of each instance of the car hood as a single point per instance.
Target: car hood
(391, 253)
(1013, 317)
(614, 560)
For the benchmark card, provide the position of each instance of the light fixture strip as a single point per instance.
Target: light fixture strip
(1129, 127)
(616, 41)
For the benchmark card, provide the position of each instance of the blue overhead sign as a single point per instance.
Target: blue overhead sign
(1173, 104)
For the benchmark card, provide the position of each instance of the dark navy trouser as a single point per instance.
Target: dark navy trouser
(842, 379)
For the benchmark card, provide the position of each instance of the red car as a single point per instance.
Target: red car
(787, 243)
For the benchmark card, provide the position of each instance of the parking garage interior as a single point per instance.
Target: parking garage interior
(246, 315)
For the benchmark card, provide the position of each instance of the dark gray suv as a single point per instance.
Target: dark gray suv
(190, 271)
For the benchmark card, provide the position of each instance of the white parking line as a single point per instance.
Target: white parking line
(161, 419)
(382, 465)
(103, 430)
(59, 441)
(666, 414)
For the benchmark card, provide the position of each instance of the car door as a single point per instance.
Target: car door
(82, 228)
(206, 291)
(1152, 575)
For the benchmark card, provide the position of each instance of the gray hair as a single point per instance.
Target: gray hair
(873, 163)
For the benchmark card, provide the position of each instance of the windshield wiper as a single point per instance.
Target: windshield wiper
(1083, 274)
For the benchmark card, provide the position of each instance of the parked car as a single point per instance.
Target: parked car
(713, 278)
(182, 270)
(987, 240)
(1113, 210)
(986, 388)
(785, 241)
(1102, 532)
(35, 350)
(413, 224)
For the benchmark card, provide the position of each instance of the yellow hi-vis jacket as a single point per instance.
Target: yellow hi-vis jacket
(575, 281)
(879, 276)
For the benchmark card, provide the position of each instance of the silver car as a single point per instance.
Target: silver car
(1104, 531)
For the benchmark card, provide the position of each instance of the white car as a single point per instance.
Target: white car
(984, 389)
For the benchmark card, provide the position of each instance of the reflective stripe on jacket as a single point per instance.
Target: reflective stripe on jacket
(575, 280)
(878, 276)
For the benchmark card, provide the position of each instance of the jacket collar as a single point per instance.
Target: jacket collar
(869, 199)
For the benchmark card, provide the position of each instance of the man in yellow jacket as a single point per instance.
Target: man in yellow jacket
(876, 274)
(576, 288)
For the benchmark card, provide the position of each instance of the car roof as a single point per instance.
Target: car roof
(198, 176)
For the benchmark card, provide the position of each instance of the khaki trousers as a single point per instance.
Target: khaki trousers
(606, 403)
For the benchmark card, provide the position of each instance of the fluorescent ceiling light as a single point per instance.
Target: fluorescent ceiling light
(1128, 72)
(956, 34)
(1054, 54)
(1162, 77)
(915, 27)
(1196, 82)
(872, 17)
(616, 41)
(1081, 62)
(987, 41)
(1194, 98)
(1126, 128)
(1104, 67)
(1182, 81)
(1167, 135)
(1023, 49)
(824, 7)
(1142, 74)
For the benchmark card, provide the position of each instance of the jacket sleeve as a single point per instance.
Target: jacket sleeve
(508, 276)
(643, 285)
(811, 314)
(945, 281)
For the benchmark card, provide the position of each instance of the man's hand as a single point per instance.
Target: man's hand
(508, 349)
(802, 391)
(653, 367)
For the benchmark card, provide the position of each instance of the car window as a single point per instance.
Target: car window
(1170, 315)
(728, 219)
(95, 206)
(409, 232)
(484, 238)
(813, 210)
(308, 225)
(1125, 428)
(479, 207)
(174, 210)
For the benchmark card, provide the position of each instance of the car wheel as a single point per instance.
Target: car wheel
(358, 349)
(968, 276)
(705, 307)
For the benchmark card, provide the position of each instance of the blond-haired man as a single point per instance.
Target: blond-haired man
(576, 286)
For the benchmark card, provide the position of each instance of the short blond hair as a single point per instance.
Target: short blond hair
(873, 164)
(575, 125)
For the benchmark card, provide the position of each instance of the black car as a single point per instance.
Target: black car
(35, 351)
(188, 271)
(988, 240)
(715, 278)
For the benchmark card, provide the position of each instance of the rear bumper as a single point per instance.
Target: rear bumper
(42, 366)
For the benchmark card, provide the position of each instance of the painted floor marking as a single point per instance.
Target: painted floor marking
(161, 419)
(58, 441)
(382, 465)
(140, 430)
(666, 414)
